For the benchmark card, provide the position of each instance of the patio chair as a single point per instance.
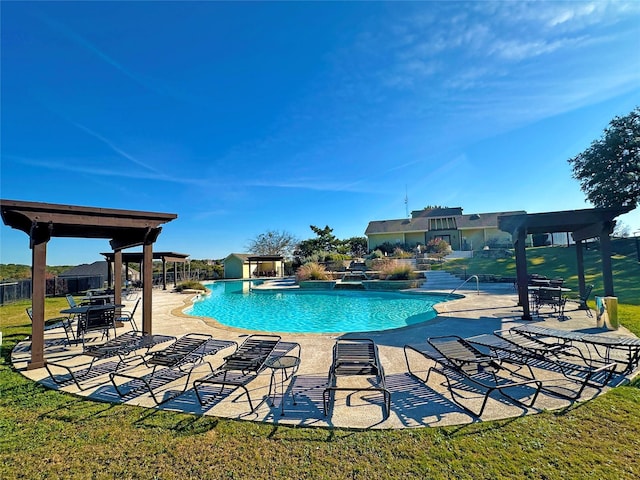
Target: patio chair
(625, 351)
(128, 316)
(356, 357)
(168, 365)
(583, 299)
(465, 367)
(96, 319)
(72, 304)
(238, 369)
(564, 359)
(53, 323)
(122, 346)
(70, 300)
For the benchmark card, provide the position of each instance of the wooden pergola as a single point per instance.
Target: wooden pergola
(582, 224)
(138, 257)
(123, 228)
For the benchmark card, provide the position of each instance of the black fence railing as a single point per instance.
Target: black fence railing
(14, 290)
(11, 291)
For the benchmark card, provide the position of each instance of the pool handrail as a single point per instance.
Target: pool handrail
(462, 284)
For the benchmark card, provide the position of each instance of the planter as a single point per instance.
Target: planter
(317, 284)
(390, 284)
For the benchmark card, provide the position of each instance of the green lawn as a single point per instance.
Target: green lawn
(561, 262)
(48, 434)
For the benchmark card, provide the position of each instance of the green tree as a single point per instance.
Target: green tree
(206, 269)
(327, 241)
(355, 246)
(273, 243)
(609, 170)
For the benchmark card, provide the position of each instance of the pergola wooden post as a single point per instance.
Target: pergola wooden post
(164, 274)
(147, 287)
(42, 221)
(605, 255)
(583, 224)
(175, 274)
(38, 290)
(117, 276)
(582, 285)
(521, 272)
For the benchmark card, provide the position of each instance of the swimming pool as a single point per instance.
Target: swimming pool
(295, 311)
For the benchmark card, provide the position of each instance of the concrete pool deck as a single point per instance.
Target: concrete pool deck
(413, 403)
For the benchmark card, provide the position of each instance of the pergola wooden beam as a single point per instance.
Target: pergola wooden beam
(582, 224)
(43, 221)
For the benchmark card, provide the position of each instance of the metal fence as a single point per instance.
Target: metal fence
(11, 291)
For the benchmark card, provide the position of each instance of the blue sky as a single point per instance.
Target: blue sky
(245, 117)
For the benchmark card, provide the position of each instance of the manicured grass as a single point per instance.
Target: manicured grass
(48, 434)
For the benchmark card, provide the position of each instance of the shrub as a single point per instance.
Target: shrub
(190, 285)
(392, 270)
(438, 246)
(375, 254)
(399, 272)
(387, 247)
(400, 253)
(335, 257)
(380, 264)
(311, 271)
(337, 266)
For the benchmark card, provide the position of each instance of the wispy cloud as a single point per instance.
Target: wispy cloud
(118, 150)
(78, 166)
(499, 65)
(490, 32)
(313, 184)
(516, 50)
(90, 47)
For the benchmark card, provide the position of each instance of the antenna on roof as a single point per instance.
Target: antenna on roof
(406, 202)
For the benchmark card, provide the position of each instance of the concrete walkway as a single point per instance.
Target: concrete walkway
(413, 403)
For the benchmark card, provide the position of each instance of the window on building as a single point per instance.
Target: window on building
(442, 223)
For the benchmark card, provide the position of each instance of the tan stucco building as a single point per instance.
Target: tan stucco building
(462, 232)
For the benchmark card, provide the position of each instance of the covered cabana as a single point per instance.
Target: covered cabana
(138, 257)
(266, 265)
(123, 228)
(582, 224)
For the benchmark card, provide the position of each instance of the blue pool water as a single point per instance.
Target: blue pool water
(294, 311)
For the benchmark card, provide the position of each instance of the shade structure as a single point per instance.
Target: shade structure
(582, 224)
(123, 229)
(138, 257)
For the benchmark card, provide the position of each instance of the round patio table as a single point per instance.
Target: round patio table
(283, 365)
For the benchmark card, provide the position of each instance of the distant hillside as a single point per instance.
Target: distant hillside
(18, 272)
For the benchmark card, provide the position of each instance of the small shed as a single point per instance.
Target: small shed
(236, 265)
